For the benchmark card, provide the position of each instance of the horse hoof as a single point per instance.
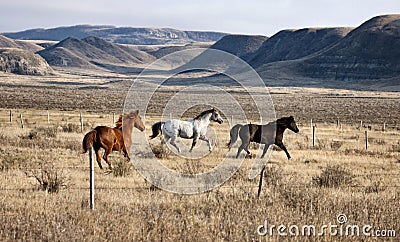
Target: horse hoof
(249, 156)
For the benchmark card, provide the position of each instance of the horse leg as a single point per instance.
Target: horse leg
(241, 147)
(105, 157)
(165, 139)
(265, 150)
(244, 146)
(126, 154)
(204, 138)
(195, 138)
(280, 145)
(172, 142)
(98, 158)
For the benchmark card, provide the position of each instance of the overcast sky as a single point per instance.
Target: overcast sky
(264, 17)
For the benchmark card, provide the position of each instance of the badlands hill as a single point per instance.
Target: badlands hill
(295, 44)
(370, 51)
(92, 51)
(242, 46)
(365, 57)
(23, 62)
(121, 35)
(18, 44)
(18, 57)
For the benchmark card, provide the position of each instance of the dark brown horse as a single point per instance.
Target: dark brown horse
(268, 134)
(118, 138)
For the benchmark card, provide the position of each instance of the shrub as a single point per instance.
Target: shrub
(10, 161)
(375, 187)
(333, 176)
(310, 161)
(395, 147)
(301, 198)
(49, 178)
(71, 128)
(320, 144)
(273, 176)
(160, 151)
(335, 145)
(122, 168)
(40, 132)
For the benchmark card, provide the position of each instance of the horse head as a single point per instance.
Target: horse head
(134, 117)
(216, 117)
(292, 124)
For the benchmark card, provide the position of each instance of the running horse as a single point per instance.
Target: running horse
(195, 128)
(113, 139)
(268, 134)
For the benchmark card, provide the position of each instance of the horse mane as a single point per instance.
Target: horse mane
(285, 119)
(118, 124)
(204, 113)
(121, 119)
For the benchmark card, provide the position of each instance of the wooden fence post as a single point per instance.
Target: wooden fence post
(384, 126)
(337, 123)
(366, 139)
(361, 124)
(11, 114)
(313, 135)
(91, 178)
(260, 182)
(81, 120)
(22, 120)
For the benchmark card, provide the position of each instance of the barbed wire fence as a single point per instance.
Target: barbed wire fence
(26, 119)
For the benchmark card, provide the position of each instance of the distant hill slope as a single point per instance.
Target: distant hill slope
(10, 43)
(122, 35)
(121, 52)
(370, 51)
(23, 62)
(242, 46)
(294, 44)
(89, 52)
(368, 57)
(163, 51)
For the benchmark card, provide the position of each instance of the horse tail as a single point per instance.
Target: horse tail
(234, 135)
(157, 129)
(88, 140)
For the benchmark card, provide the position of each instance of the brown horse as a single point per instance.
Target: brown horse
(268, 134)
(118, 138)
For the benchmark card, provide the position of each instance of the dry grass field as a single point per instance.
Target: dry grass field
(44, 178)
(45, 186)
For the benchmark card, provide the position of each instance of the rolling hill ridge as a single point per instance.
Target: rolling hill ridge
(366, 56)
(121, 35)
